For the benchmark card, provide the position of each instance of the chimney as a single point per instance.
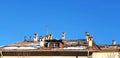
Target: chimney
(63, 35)
(50, 36)
(90, 41)
(35, 37)
(91, 38)
(41, 42)
(46, 37)
(87, 36)
(113, 42)
(42, 38)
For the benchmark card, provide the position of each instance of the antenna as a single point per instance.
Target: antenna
(46, 29)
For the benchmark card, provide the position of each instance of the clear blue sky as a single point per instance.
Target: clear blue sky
(19, 18)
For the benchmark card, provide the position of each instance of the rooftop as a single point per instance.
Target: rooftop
(47, 43)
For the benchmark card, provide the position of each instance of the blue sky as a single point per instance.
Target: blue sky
(19, 18)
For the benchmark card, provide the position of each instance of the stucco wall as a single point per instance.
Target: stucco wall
(105, 55)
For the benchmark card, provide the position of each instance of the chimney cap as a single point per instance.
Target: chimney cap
(35, 33)
(87, 34)
(114, 40)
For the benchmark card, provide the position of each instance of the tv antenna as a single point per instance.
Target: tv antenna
(46, 29)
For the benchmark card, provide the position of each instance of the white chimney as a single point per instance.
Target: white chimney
(87, 36)
(42, 39)
(41, 44)
(63, 35)
(90, 41)
(35, 37)
(114, 42)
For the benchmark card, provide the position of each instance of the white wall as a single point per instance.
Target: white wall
(105, 55)
(82, 57)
